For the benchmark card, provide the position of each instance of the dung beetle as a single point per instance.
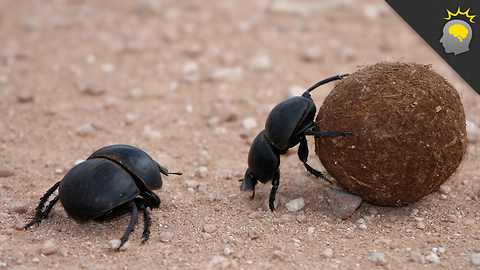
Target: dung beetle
(287, 125)
(113, 181)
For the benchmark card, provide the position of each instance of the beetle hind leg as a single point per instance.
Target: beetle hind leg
(40, 214)
(146, 218)
(303, 155)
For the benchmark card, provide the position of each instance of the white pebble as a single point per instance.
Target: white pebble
(190, 67)
(48, 248)
(295, 205)
(310, 230)
(445, 189)
(260, 63)
(84, 130)
(115, 243)
(58, 172)
(362, 226)
(417, 257)
(327, 253)
(201, 172)
(432, 258)
(166, 237)
(475, 258)
(227, 251)
(379, 258)
(249, 123)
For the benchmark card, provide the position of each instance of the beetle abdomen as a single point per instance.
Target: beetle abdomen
(95, 187)
(263, 161)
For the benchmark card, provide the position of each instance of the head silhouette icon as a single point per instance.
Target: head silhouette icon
(456, 37)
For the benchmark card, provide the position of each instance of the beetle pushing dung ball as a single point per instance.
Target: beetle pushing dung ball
(412, 132)
(286, 126)
(113, 181)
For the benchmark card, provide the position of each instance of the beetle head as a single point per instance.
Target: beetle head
(249, 181)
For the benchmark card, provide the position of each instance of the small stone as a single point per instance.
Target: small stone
(190, 67)
(342, 203)
(417, 257)
(201, 172)
(209, 228)
(232, 74)
(191, 184)
(255, 215)
(312, 54)
(17, 207)
(227, 251)
(379, 258)
(475, 259)
(135, 93)
(48, 248)
(19, 224)
(84, 130)
(166, 237)
(36, 260)
(249, 123)
(279, 255)
(58, 171)
(295, 205)
(452, 219)
(115, 243)
(301, 218)
(260, 63)
(6, 171)
(420, 225)
(18, 257)
(362, 226)
(445, 189)
(130, 119)
(310, 230)
(432, 258)
(93, 89)
(25, 98)
(414, 212)
(327, 253)
(253, 234)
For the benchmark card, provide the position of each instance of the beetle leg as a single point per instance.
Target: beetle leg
(146, 219)
(329, 134)
(275, 184)
(40, 214)
(303, 156)
(131, 227)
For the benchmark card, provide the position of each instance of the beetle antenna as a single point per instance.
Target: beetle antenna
(327, 80)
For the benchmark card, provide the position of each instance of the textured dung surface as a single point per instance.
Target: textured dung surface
(411, 124)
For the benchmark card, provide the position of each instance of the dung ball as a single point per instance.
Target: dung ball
(411, 127)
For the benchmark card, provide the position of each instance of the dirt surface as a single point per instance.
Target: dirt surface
(191, 83)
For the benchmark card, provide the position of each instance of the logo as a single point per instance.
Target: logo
(457, 34)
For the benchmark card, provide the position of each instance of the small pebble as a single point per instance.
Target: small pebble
(295, 205)
(166, 237)
(310, 230)
(362, 226)
(249, 123)
(342, 203)
(417, 257)
(255, 215)
(17, 207)
(209, 228)
(18, 257)
(260, 63)
(6, 171)
(130, 119)
(253, 234)
(379, 258)
(93, 89)
(445, 189)
(25, 98)
(475, 259)
(301, 218)
(48, 248)
(201, 172)
(84, 130)
(327, 253)
(432, 258)
(452, 219)
(227, 251)
(191, 184)
(58, 172)
(115, 243)
(279, 255)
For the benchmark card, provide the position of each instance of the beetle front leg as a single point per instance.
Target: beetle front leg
(275, 184)
(146, 218)
(131, 227)
(303, 156)
(40, 214)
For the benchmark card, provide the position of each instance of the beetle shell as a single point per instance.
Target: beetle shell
(135, 161)
(288, 118)
(263, 161)
(83, 191)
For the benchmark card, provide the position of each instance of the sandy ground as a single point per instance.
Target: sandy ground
(191, 83)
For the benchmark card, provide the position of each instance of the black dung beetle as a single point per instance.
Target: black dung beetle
(287, 125)
(113, 181)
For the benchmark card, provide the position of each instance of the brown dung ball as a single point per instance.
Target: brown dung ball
(411, 127)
